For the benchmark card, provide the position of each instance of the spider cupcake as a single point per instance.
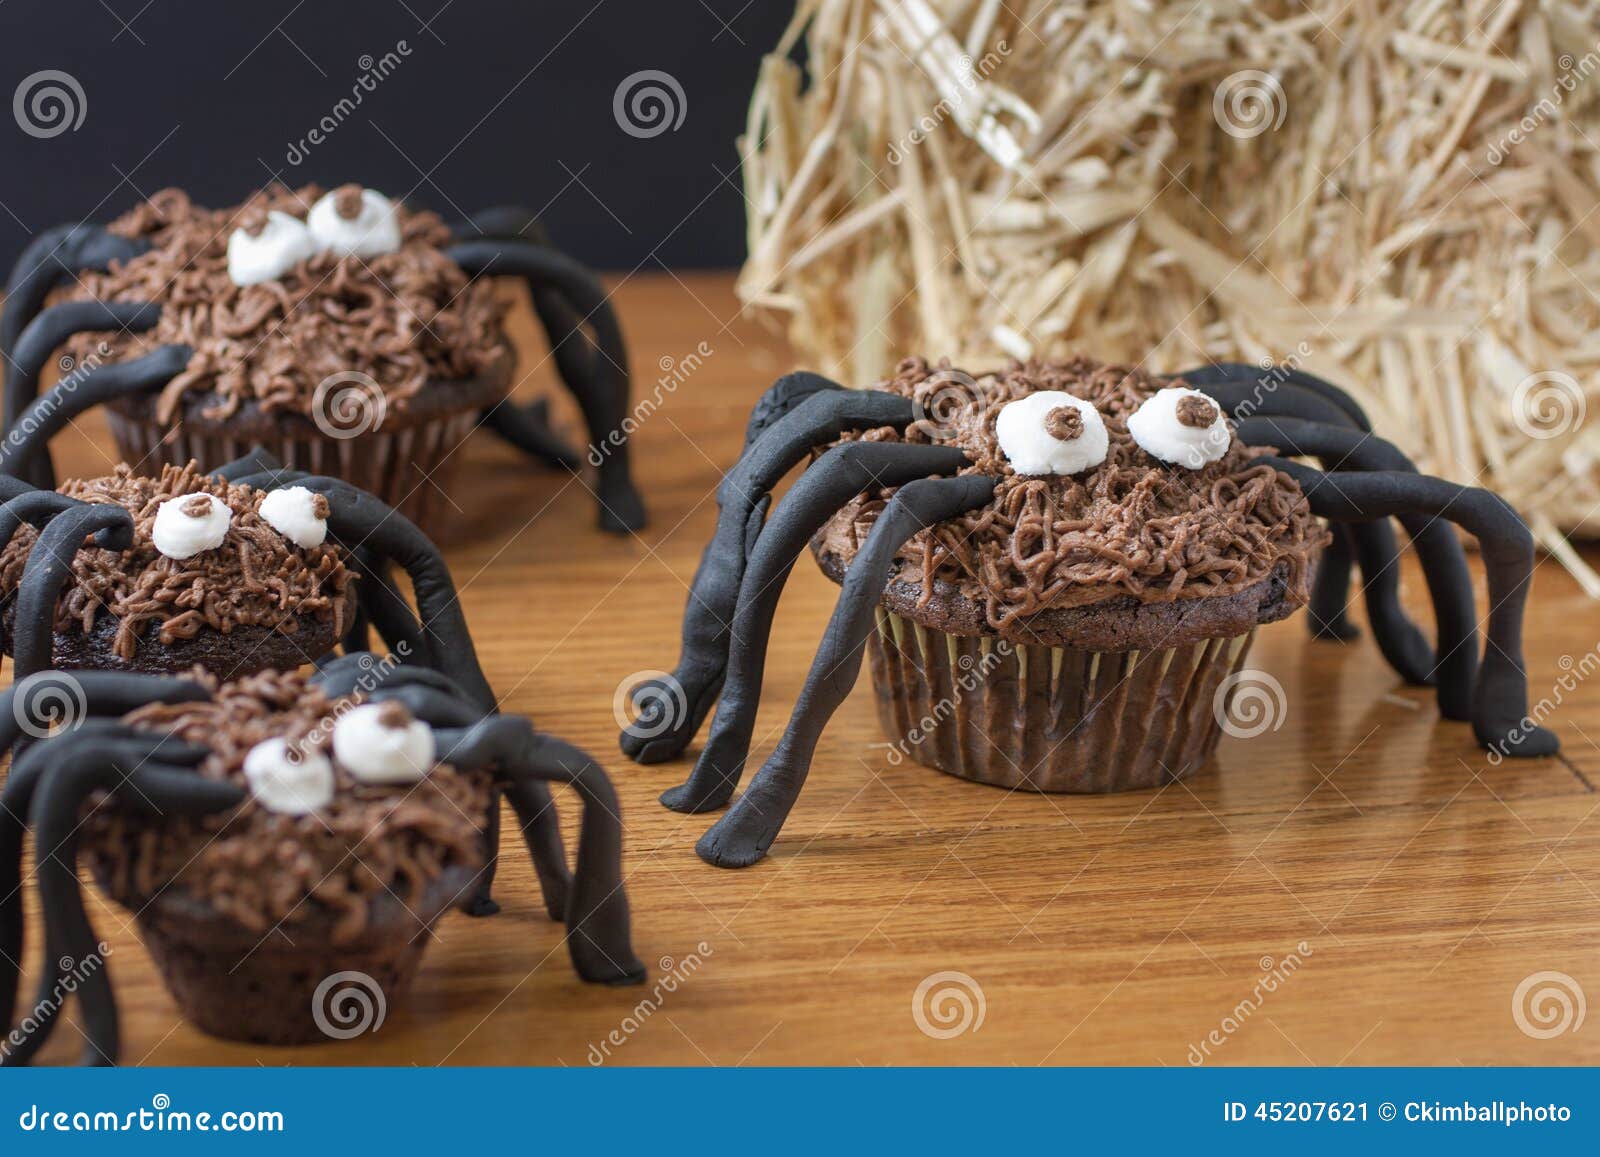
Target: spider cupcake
(1061, 565)
(279, 835)
(348, 335)
(189, 570)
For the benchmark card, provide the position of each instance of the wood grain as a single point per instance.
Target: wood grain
(1424, 884)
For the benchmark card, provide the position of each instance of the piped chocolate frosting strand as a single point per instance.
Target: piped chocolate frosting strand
(264, 868)
(1131, 526)
(401, 318)
(256, 577)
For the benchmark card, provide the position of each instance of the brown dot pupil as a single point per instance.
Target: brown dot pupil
(196, 506)
(394, 715)
(347, 201)
(1196, 413)
(1064, 424)
(320, 508)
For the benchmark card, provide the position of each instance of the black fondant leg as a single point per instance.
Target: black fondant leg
(145, 772)
(743, 836)
(24, 452)
(600, 384)
(359, 519)
(51, 258)
(1500, 697)
(1328, 611)
(257, 461)
(34, 708)
(598, 934)
(1264, 385)
(1247, 392)
(38, 342)
(661, 732)
(1444, 562)
(527, 425)
(385, 608)
(829, 483)
(48, 567)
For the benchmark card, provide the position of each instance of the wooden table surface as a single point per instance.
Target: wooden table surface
(1393, 887)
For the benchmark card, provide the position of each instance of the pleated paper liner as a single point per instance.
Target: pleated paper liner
(409, 467)
(242, 984)
(1046, 718)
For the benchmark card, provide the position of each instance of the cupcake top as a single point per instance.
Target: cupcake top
(347, 806)
(206, 554)
(1118, 491)
(292, 287)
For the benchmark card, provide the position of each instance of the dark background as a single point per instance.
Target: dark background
(498, 102)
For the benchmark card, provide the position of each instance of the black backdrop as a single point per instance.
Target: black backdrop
(457, 104)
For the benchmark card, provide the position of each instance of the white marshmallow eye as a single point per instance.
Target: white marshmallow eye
(298, 514)
(281, 244)
(192, 523)
(1051, 432)
(287, 780)
(1181, 426)
(383, 743)
(353, 220)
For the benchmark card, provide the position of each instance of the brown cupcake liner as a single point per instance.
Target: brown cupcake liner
(292, 985)
(410, 467)
(1052, 719)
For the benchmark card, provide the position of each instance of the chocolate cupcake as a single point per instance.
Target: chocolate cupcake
(213, 573)
(351, 843)
(1072, 635)
(286, 843)
(1057, 570)
(347, 335)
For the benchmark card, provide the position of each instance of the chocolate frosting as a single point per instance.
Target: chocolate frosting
(256, 578)
(402, 318)
(1132, 527)
(264, 869)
